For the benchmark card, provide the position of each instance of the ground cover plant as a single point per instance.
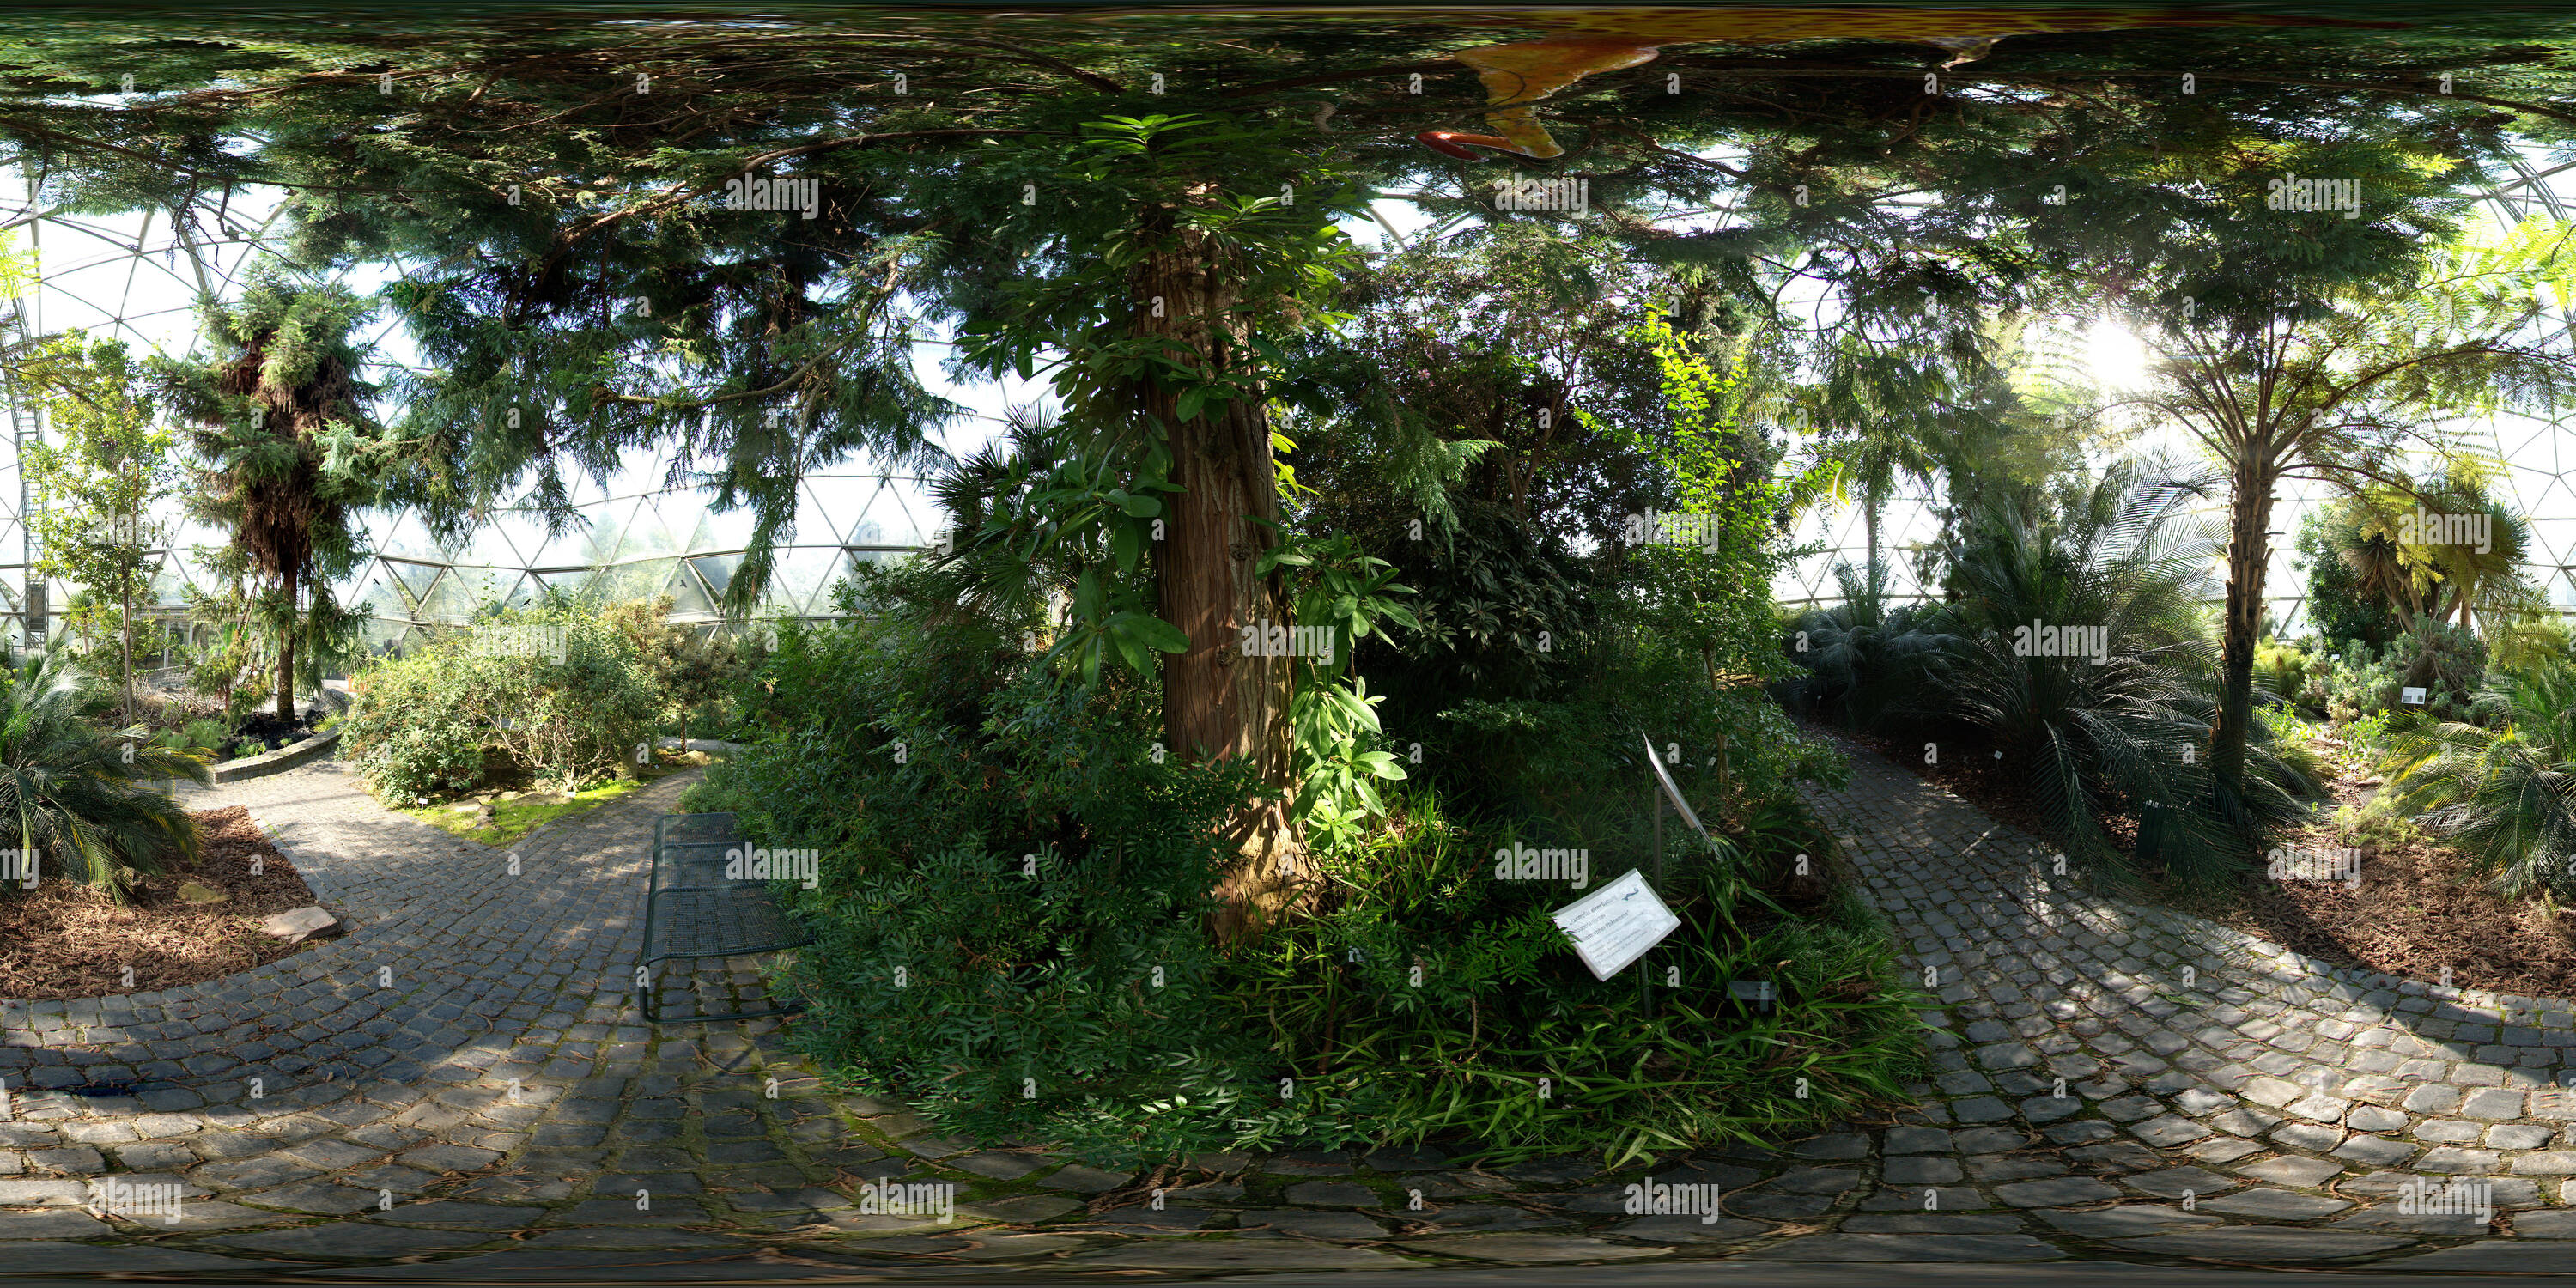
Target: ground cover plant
(498, 815)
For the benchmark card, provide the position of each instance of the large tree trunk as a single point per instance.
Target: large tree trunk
(2249, 556)
(1217, 702)
(1869, 526)
(286, 650)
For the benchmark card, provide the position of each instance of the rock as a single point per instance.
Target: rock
(509, 796)
(466, 808)
(201, 894)
(299, 924)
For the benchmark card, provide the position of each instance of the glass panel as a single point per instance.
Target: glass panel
(717, 570)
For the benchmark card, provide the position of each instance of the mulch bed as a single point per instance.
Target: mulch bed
(65, 940)
(2419, 907)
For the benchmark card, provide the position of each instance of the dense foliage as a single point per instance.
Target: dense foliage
(2074, 643)
(83, 796)
(2504, 789)
(560, 694)
(1041, 879)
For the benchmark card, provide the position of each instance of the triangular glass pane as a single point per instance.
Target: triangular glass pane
(407, 537)
(451, 602)
(717, 570)
(633, 581)
(657, 530)
(380, 599)
(815, 520)
(686, 596)
(602, 543)
(415, 580)
(570, 585)
(483, 588)
(169, 589)
(802, 574)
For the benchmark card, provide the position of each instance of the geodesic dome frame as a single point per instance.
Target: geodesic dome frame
(2539, 479)
(136, 279)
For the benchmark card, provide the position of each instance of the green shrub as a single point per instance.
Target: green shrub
(2360, 680)
(2283, 670)
(2449, 664)
(423, 720)
(204, 734)
(2506, 794)
(936, 769)
(687, 670)
(1868, 662)
(2445, 659)
(78, 792)
(1039, 876)
(1427, 999)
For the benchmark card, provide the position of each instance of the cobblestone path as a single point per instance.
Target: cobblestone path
(461, 1088)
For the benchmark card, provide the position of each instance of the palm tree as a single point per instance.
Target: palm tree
(74, 792)
(2341, 387)
(2122, 557)
(2488, 581)
(1897, 399)
(291, 454)
(2507, 794)
(1865, 657)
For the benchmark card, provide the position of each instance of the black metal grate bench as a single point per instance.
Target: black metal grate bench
(691, 912)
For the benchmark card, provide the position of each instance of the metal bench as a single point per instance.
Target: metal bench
(692, 912)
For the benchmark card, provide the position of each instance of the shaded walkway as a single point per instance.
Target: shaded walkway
(2287, 1102)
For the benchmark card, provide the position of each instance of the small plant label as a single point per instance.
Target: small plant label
(1615, 925)
(2410, 697)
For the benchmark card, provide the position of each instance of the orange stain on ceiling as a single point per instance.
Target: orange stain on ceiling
(1599, 40)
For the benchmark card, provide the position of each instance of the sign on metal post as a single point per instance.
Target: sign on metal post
(1675, 793)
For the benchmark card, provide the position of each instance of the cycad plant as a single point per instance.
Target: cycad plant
(2507, 794)
(1865, 658)
(2082, 651)
(76, 792)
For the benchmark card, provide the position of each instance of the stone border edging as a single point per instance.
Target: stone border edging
(280, 760)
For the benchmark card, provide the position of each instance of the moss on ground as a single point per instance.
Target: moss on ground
(527, 811)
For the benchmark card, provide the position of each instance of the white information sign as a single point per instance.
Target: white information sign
(2410, 697)
(1615, 925)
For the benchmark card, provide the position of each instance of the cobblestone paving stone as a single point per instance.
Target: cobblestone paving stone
(464, 1078)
